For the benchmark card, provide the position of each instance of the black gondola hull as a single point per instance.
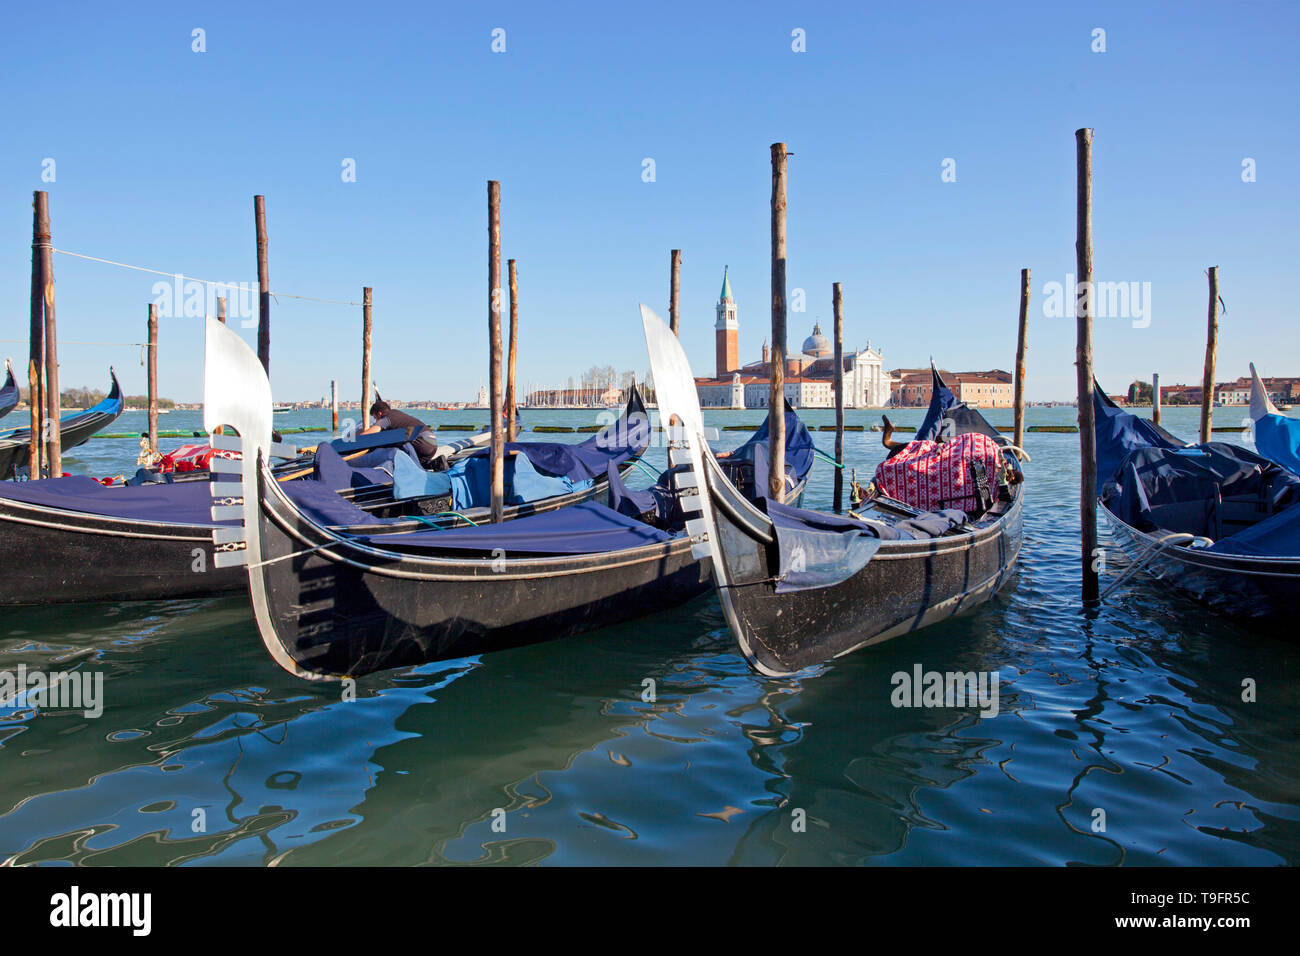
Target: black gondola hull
(1262, 592)
(907, 585)
(341, 610)
(63, 557)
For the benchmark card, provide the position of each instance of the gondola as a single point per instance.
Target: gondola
(8, 391)
(800, 587)
(74, 429)
(1214, 521)
(330, 604)
(73, 540)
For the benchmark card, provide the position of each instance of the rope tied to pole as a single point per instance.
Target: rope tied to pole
(181, 275)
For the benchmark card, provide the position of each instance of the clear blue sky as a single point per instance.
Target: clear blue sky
(159, 150)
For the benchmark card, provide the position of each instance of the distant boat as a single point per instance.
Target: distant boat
(280, 409)
(75, 429)
(8, 391)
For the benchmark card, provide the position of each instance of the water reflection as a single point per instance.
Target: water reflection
(653, 743)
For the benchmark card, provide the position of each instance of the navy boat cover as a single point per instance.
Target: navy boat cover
(618, 442)
(587, 528)
(944, 405)
(799, 449)
(1245, 502)
(1119, 433)
(180, 502)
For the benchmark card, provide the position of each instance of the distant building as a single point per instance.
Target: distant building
(991, 389)
(1281, 390)
(809, 376)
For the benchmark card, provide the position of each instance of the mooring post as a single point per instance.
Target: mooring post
(496, 466)
(367, 329)
(837, 306)
(1155, 398)
(53, 447)
(1083, 359)
(512, 431)
(153, 378)
(674, 288)
(263, 287)
(1211, 353)
(776, 394)
(221, 309)
(36, 353)
(1021, 344)
(334, 405)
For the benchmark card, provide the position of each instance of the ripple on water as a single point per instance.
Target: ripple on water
(654, 743)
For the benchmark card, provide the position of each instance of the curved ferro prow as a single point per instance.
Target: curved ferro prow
(237, 394)
(678, 400)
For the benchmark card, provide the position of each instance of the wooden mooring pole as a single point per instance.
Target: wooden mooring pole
(674, 288)
(496, 468)
(263, 287)
(367, 330)
(1083, 360)
(1211, 353)
(153, 378)
(512, 431)
(776, 394)
(53, 446)
(1022, 342)
(36, 354)
(837, 306)
(334, 405)
(1155, 398)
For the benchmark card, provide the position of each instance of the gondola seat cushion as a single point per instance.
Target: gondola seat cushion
(933, 476)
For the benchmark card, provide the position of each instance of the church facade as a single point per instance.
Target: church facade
(809, 375)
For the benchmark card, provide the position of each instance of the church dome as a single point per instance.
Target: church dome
(817, 345)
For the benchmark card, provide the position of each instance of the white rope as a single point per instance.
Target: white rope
(172, 275)
(64, 342)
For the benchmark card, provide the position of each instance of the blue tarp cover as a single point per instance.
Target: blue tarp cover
(818, 550)
(1119, 432)
(587, 528)
(1278, 437)
(1278, 536)
(1198, 489)
(944, 405)
(799, 450)
(471, 481)
(618, 442)
(412, 481)
(181, 502)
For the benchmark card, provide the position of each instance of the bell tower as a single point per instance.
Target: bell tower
(727, 331)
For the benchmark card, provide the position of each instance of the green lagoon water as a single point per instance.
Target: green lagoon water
(207, 753)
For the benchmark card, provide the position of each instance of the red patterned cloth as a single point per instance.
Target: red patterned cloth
(931, 476)
(187, 458)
